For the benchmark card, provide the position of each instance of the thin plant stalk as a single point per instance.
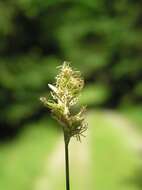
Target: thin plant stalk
(64, 95)
(66, 142)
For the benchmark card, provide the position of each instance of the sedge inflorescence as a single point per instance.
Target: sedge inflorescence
(64, 95)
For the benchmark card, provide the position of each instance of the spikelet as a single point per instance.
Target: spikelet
(65, 93)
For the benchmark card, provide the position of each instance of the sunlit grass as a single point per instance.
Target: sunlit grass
(134, 114)
(21, 161)
(113, 160)
(111, 166)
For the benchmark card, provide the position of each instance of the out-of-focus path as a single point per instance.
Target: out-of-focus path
(52, 175)
(128, 129)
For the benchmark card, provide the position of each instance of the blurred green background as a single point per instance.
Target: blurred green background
(102, 39)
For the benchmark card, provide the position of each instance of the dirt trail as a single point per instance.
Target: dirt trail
(54, 166)
(128, 129)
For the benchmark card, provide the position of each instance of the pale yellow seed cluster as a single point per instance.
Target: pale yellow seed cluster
(65, 94)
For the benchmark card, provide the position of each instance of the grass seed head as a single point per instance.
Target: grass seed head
(64, 95)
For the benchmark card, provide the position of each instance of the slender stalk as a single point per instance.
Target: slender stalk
(66, 140)
(64, 94)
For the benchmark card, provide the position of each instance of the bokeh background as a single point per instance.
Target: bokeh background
(102, 39)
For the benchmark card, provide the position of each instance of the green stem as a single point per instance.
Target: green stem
(66, 140)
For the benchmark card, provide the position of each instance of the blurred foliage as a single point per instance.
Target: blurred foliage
(101, 38)
(94, 94)
(134, 114)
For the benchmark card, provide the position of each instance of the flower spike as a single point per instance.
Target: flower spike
(65, 93)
